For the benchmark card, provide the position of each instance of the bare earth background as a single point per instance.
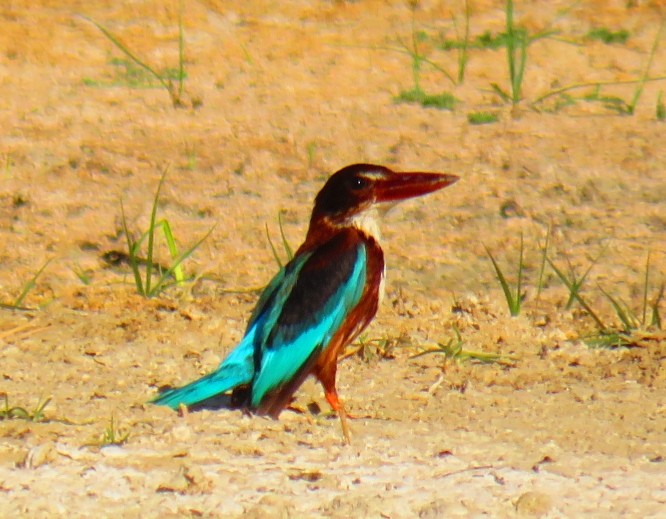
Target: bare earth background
(290, 92)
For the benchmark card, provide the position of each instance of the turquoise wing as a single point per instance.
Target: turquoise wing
(299, 318)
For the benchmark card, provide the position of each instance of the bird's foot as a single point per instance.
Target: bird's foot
(183, 411)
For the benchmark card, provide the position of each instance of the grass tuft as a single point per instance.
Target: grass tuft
(646, 72)
(128, 73)
(443, 101)
(516, 40)
(173, 274)
(21, 413)
(513, 298)
(631, 320)
(463, 50)
(172, 80)
(29, 285)
(288, 251)
(416, 94)
(82, 274)
(482, 118)
(112, 435)
(610, 102)
(607, 36)
(371, 350)
(453, 350)
(636, 328)
(574, 285)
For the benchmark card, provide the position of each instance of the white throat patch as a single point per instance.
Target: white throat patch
(367, 222)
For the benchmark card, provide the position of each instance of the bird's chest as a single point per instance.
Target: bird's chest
(367, 223)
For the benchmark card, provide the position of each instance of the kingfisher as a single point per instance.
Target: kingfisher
(319, 302)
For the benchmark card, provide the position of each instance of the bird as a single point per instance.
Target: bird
(318, 302)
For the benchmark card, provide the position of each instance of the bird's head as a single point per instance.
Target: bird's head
(357, 188)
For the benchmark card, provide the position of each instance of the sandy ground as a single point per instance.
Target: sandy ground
(287, 93)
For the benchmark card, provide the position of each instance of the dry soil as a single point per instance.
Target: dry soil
(278, 96)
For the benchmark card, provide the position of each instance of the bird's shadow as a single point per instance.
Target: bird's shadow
(237, 399)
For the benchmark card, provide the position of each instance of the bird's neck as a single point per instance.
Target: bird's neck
(367, 222)
(322, 227)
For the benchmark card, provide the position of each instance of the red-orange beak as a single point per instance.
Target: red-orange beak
(400, 186)
(355, 188)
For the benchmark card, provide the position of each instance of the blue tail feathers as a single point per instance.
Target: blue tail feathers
(236, 370)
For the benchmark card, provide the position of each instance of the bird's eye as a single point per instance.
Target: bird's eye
(359, 183)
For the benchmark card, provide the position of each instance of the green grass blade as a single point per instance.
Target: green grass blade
(628, 319)
(129, 53)
(501, 93)
(173, 250)
(518, 83)
(16, 412)
(656, 318)
(416, 57)
(510, 45)
(151, 234)
(285, 243)
(181, 51)
(273, 249)
(576, 284)
(577, 86)
(453, 349)
(463, 55)
(162, 281)
(514, 307)
(646, 284)
(132, 252)
(438, 68)
(660, 110)
(38, 413)
(641, 84)
(519, 285)
(482, 117)
(608, 340)
(517, 42)
(32, 283)
(542, 267)
(80, 273)
(578, 297)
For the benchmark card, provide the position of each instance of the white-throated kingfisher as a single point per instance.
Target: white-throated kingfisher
(318, 302)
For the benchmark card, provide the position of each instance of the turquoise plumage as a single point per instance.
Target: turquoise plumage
(285, 349)
(276, 346)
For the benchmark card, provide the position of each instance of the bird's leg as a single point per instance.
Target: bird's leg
(325, 371)
(338, 407)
